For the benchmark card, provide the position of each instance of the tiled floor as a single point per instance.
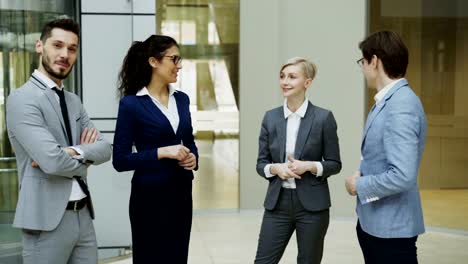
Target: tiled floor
(216, 183)
(231, 237)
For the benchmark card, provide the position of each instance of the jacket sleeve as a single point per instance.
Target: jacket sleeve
(189, 139)
(401, 139)
(264, 155)
(26, 125)
(124, 159)
(98, 152)
(331, 150)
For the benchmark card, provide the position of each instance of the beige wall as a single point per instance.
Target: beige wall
(328, 32)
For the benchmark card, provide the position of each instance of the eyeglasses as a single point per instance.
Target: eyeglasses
(176, 59)
(360, 62)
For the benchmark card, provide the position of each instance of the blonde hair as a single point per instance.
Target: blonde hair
(308, 67)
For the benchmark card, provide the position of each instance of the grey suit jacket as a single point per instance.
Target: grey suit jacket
(388, 204)
(316, 141)
(37, 133)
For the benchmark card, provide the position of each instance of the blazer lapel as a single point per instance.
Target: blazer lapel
(281, 132)
(71, 117)
(180, 110)
(371, 116)
(379, 106)
(156, 113)
(304, 130)
(51, 96)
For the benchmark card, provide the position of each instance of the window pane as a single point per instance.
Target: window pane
(208, 34)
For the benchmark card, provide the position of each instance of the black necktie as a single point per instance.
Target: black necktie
(83, 185)
(85, 189)
(63, 107)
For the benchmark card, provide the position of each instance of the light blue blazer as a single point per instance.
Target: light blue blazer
(389, 204)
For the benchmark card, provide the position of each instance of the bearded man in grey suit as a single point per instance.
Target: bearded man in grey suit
(54, 142)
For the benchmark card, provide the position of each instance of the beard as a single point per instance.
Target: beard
(46, 63)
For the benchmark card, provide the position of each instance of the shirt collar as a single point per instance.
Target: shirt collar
(381, 94)
(300, 112)
(144, 91)
(45, 79)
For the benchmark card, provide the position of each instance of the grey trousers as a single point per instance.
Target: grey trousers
(72, 242)
(279, 224)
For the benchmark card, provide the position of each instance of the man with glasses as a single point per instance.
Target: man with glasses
(55, 142)
(388, 201)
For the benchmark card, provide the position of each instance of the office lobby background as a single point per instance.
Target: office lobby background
(232, 51)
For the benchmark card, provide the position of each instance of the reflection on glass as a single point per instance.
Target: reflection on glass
(184, 32)
(436, 33)
(213, 37)
(208, 34)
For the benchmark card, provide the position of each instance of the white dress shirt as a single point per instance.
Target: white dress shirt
(76, 192)
(292, 128)
(381, 94)
(171, 112)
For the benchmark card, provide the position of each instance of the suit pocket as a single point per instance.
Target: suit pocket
(31, 232)
(78, 127)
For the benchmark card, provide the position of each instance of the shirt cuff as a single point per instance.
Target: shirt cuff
(319, 168)
(267, 172)
(80, 155)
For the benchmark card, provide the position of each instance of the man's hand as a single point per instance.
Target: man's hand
(71, 152)
(282, 170)
(88, 136)
(178, 152)
(350, 183)
(189, 163)
(299, 167)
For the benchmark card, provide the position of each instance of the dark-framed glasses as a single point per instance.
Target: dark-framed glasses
(176, 59)
(360, 62)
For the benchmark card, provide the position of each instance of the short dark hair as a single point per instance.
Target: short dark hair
(388, 46)
(66, 24)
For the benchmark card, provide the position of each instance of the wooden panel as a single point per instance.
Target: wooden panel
(429, 170)
(454, 163)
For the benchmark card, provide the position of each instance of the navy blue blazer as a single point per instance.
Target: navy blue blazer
(140, 123)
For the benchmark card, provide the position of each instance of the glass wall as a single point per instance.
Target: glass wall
(21, 22)
(436, 33)
(208, 34)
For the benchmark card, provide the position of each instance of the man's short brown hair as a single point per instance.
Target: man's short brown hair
(388, 46)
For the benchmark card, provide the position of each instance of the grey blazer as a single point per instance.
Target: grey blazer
(37, 132)
(316, 141)
(388, 204)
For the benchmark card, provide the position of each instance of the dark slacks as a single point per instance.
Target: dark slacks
(387, 250)
(279, 224)
(161, 221)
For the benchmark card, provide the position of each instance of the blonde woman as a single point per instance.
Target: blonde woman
(298, 151)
